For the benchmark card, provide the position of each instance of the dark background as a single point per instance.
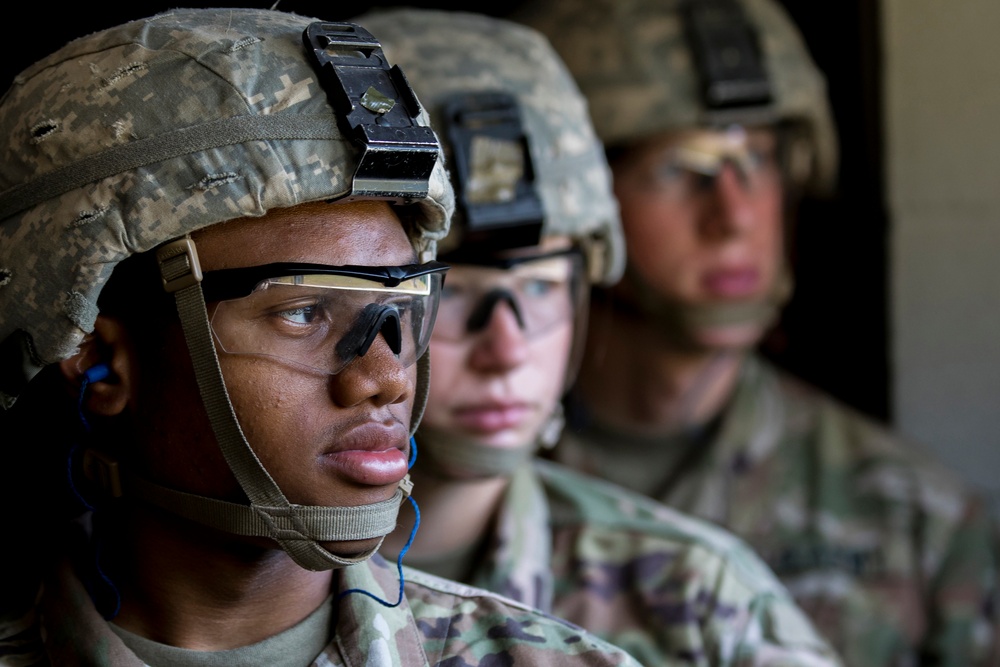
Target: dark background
(834, 331)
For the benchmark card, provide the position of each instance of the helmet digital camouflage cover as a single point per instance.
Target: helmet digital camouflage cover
(140, 134)
(449, 54)
(635, 62)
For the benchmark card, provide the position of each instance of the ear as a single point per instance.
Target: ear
(108, 344)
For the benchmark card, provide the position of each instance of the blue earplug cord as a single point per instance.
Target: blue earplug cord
(406, 547)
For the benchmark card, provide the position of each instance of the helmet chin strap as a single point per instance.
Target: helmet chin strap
(449, 457)
(678, 321)
(298, 529)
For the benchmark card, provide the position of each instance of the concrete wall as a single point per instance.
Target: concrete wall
(942, 121)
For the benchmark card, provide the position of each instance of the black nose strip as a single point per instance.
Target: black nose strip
(483, 311)
(375, 319)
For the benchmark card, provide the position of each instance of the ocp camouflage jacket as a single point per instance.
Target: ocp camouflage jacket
(893, 559)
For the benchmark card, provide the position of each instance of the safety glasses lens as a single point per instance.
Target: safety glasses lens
(323, 322)
(541, 294)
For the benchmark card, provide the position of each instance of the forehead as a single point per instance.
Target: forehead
(367, 233)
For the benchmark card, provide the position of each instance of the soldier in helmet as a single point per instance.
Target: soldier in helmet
(715, 119)
(536, 225)
(217, 282)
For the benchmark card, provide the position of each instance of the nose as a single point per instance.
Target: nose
(727, 210)
(377, 376)
(500, 345)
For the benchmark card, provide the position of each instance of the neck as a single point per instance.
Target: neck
(199, 589)
(636, 381)
(455, 514)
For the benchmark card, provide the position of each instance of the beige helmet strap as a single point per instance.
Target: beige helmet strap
(422, 391)
(295, 528)
(326, 524)
(444, 455)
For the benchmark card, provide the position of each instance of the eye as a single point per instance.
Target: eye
(758, 159)
(763, 153)
(538, 288)
(668, 172)
(300, 315)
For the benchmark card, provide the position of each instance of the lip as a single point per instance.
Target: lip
(372, 454)
(733, 282)
(492, 416)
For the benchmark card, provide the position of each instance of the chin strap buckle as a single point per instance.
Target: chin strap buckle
(179, 265)
(406, 486)
(103, 471)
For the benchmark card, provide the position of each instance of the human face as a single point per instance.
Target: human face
(327, 440)
(701, 240)
(498, 385)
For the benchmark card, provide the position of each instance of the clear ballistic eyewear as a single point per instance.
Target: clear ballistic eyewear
(323, 317)
(691, 164)
(542, 291)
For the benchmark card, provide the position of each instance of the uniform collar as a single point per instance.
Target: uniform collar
(369, 633)
(518, 562)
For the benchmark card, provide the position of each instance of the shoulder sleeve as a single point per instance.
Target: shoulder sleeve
(664, 585)
(938, 547)
(462, 625)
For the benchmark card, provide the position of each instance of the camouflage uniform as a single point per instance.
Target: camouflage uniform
(893, 560)
(439, 622)
(670, 589)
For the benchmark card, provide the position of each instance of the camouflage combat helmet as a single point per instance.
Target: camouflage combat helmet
(489, 84)
(451, 55)
(653, 67)
(133, 137)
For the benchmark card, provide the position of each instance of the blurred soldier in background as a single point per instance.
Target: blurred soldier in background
(715, 121)
(537, 225)
(217, 234)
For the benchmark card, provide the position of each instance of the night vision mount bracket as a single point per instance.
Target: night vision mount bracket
(728, 55)
(492, 164)
(378, 111)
